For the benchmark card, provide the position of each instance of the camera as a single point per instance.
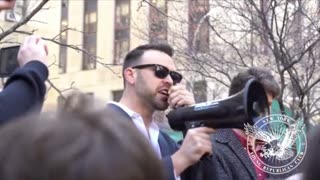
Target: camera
(8, 60)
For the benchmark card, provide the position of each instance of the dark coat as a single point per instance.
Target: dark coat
(24, 91)
(231, 160)
(167, 145)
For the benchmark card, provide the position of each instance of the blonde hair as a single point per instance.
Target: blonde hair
(80, 141)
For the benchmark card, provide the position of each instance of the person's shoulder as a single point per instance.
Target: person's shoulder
(166, 136)
(167, 139)
(223, 135)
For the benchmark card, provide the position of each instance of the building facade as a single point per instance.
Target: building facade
(87, 42)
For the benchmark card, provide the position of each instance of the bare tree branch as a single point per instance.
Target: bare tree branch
(24, 20)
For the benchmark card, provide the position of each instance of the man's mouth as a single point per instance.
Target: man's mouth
(164, 92)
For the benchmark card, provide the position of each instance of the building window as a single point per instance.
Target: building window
(116, 95)
(122, 30)
(90, 35)
(18, 12)
(158, 21)
(63, 36)
(200, 91)
(198, 27)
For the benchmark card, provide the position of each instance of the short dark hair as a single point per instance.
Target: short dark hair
(78, 142)
(133, 56)
(262, 75)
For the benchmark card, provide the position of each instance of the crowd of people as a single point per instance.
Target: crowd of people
(90, 140)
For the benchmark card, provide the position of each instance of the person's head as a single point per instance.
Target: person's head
(149, 72)
(78, 142)
(6, 4)
(262, 75)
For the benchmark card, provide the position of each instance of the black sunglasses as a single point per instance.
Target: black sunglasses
(162, 72)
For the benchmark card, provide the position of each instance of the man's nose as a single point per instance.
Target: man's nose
(168, 80)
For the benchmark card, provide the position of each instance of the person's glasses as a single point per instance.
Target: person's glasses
(162, 72)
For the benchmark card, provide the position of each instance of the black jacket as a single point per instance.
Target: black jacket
(167, 145)
(24, 91)
(231, 160)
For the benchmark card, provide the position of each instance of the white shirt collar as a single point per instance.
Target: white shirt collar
(153, 131)
(130, 112)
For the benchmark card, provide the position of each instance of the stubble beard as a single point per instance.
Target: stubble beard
(160, 104)
(152, 98)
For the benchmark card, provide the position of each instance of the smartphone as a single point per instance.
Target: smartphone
(8, 60)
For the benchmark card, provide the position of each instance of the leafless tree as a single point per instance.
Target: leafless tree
(228, 35)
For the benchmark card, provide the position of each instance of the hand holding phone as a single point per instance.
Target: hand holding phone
(8, 60)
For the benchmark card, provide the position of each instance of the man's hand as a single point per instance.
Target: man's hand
(179, 96)
(33, 48)
(6, 4)
(196, 144)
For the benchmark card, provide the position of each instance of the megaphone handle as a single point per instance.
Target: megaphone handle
(206, 156)
(195, 124)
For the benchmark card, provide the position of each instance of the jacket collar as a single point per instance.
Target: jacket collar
(227, 136)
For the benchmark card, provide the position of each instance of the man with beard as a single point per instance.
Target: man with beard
(151, 83)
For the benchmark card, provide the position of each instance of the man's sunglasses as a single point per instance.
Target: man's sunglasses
(162, 72)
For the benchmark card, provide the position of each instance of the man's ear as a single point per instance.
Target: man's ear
(130, 75)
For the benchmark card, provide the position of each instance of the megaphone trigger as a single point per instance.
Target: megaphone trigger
(194, 124)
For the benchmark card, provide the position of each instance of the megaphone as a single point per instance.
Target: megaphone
(233, 112)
